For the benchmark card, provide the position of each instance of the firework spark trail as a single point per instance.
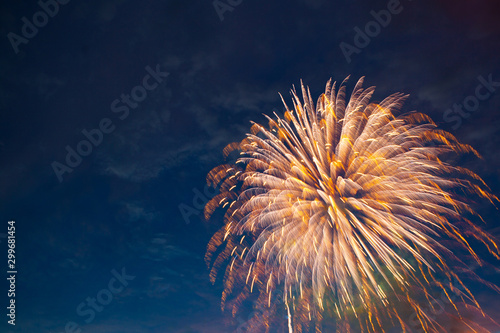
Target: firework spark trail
(343, 207)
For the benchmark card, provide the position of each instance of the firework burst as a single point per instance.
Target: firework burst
(347, 211)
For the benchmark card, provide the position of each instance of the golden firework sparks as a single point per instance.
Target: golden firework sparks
(343, 209)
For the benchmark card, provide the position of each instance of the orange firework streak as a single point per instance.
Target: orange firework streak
(343, 209)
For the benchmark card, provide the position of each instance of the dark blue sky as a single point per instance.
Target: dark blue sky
(118, 208)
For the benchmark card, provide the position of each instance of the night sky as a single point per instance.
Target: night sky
(112, 113)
